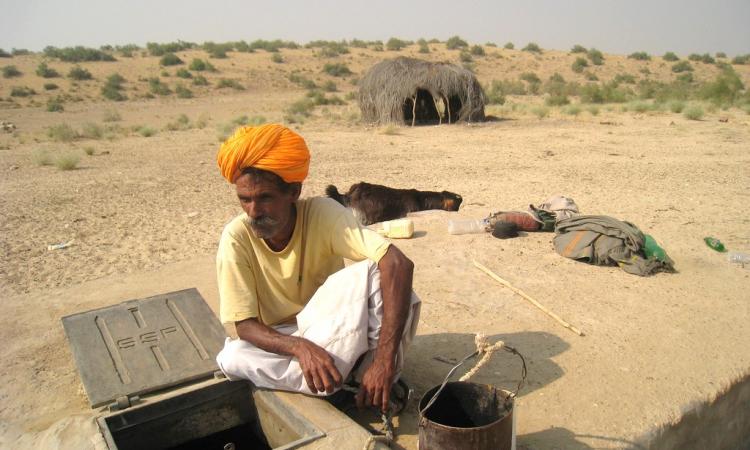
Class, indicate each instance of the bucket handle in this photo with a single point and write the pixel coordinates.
(466, 358)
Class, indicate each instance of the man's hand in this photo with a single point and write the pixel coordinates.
(375, 389)
(317, 366)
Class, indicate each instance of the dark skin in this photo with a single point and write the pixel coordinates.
(274, 214)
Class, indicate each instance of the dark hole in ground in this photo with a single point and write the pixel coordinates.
(244, 437)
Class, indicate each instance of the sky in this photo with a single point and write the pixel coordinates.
(620, 26)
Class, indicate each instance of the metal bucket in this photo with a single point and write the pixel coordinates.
(466, 416)
(462, 415)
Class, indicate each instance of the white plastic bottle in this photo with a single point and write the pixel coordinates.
(467, 226)
(742, 259)
(397, 229)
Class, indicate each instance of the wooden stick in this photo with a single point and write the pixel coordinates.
(414, 110)
(533, 302)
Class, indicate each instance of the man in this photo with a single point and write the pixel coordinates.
(303, 320)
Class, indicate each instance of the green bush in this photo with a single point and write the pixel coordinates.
(146, 131)
(686, 77)
(20, 52)
(79, 73)
(277, 58)
(495, 93)
(557, 100)
(590, 76)
(50, 86)
(423, 47)
(670, 56)
(200, 80)
(532, 47)
(183, 73)
(640, 56)
(112, 88)
(4, 54)
(21, 91)
(724, 89)
(579, 64)
(218, 51)
(91, 130)
(67, 161)
(477, 50)
(721, 55)
(55, 104)
(395, 44)
(41, 157)
(182, 91)
(337, 70)
(88, 150)
(682, 66)
(229, 83)
(530, 77)
(11, 71)
(156, 87)
(329, 86)
(593, 110)
(595, 56)
(465, 57)
(318, 98)
(509, 46)
(557, 78)
(111, 116)
(170, 59)
(62, 133)
(578, 49)
(704, 58)
(161, 49)
(540, 111)
(77, 54)
(44, 71)
(455, 42)
(676, 106)
(198, 65)
(301, 107)
(127, 50)
(624, 78)
(300, 80)
(741, 59)
(572, 110)
(693, 112)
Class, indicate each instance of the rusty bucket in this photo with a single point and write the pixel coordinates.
(463, 415)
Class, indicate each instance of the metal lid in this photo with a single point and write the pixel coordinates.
(144, 345)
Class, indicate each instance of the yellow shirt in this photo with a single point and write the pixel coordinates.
(255, 281)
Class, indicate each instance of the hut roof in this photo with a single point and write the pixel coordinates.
(392, 83)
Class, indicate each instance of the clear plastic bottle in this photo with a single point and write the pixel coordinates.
(467, 226)
(742, 259)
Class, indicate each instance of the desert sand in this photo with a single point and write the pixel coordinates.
(144, 215)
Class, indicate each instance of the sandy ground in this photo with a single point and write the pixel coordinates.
(145, 215)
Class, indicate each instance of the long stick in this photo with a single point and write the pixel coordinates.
(533, 302)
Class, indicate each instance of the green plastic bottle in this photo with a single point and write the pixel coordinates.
(651, 248)
(715, 244)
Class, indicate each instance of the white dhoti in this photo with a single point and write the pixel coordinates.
(343, 317)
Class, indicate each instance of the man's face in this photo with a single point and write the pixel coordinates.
(269, 209)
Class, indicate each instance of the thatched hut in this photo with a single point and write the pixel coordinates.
(411, 91)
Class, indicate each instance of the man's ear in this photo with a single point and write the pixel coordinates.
(296, 191)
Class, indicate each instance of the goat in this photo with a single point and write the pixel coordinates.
(375, 203)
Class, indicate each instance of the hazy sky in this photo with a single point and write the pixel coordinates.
(620, 26)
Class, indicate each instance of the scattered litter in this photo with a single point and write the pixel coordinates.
(397, 229)
(715, 244)
(7, 126)
(505, 230)
(742, 259)
(60, 245)
(13, 167)
(192, 214)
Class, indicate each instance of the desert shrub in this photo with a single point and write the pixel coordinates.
(183, 73)
(89, 150)
(111, 116)
(329, 86)
(721, 55)
(509, 46)
(530, 77)
(300, 80)
(77, 54)
(112, 88)
(182, 122)
(455, 42)
(465, 57)
(337, 69)
(91, 130)
(676, 106)
(624, 78)
(198, 65)
(578, 49)
(127, 50)
(218, 51)
(79, 73)
(229, 83)
(67, 161)
(591, 76)
(302, 107)
(164, 73)
(277, 58)
(423, 47)
(146, 131)
(640, 56)
(593, 110)
(682, 66)
(21, 91)
(724, 89)
(182, 91)
(557, 100)
(693, 112)
(556, 77)
(50, 86)
(686, 77)
(511, 87)
(532, 47)
(156, 87)
(395, 44)
(670, 56)
(495, 93)
(741, 59)
(572, 110)
(705, 58)
(20, 52)
(41, 157)
(595, 56)
(607, 93)
(62, 133)
(640, 106)
(4, 54)
(156, 49)
(11, 72)
(540, 111)
(44, 71)
(200, 80)
(272, 46)
(170, 59)
(55, 104)
(579, 64)
(477, 50)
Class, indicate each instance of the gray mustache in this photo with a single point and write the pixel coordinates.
(262, 222)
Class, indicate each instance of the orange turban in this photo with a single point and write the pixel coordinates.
(270, 147)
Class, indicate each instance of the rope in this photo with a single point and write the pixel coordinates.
(485, 349)
(387, 439)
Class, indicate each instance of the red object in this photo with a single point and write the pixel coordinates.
(524, 221)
